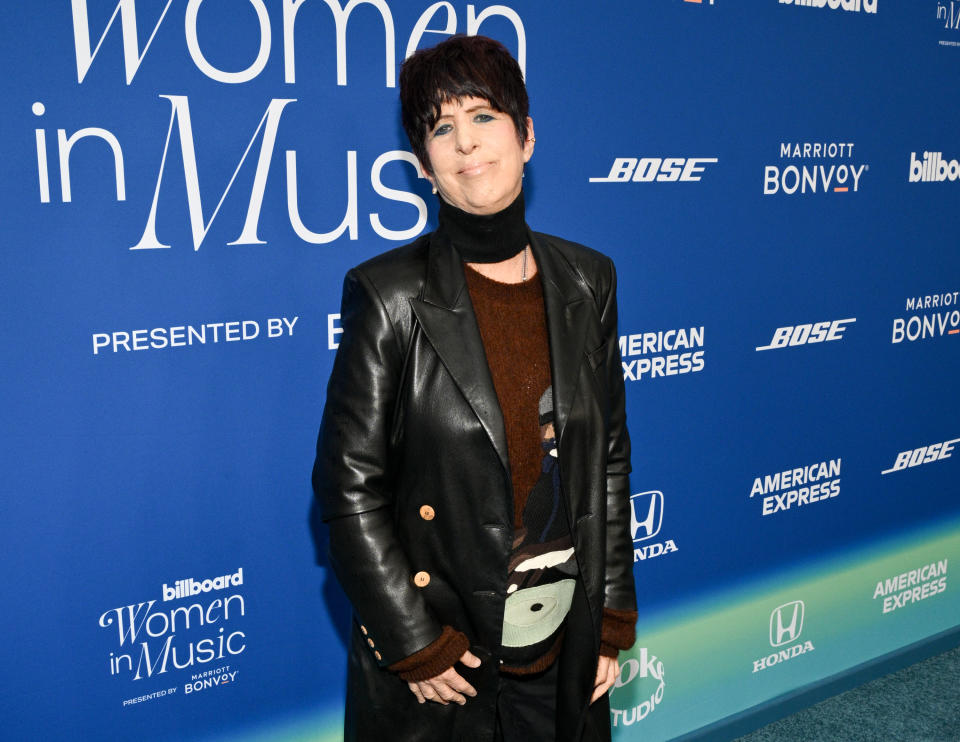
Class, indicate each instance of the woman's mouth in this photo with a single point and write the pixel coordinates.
(473, 169)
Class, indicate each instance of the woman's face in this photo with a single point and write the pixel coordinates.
(476, 157)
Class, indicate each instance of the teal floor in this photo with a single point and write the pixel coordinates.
(920, 703)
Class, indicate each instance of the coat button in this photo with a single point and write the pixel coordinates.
(378, 656)
(363, 629)
(421, 579)
(426, 512)
(370, 642)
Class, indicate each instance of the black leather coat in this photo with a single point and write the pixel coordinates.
(412, 420)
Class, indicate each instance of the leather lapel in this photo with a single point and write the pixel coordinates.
(568, 321)
(447, 318)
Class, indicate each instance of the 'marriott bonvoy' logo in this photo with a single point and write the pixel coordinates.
(857, 6)
(814, 167)
(933, 167)
(928, 316)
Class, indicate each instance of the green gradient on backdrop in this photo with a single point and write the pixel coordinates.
(708, 647)
(318, 726)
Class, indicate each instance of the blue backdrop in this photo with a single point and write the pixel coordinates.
(186, 183)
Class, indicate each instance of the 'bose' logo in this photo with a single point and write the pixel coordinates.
(647, 169)
(646, 515)
(803, 334)
(922, 455)
(786, 623)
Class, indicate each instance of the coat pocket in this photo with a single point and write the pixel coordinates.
(597, 357)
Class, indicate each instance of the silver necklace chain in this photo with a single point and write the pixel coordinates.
(523, 274)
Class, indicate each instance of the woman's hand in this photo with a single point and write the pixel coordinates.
(607, 671)
(447, 686)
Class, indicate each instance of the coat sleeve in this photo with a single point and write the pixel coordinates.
(619, 593)
(352, 479)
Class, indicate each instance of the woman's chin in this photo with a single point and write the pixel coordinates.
(486, 201)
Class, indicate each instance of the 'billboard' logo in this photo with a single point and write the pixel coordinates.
(786, 623)
(933, 167)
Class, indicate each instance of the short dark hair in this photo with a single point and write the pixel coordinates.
(460, 67)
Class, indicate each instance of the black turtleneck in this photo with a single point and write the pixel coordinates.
(484, 238)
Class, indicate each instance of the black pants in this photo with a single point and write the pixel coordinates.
(527, 707)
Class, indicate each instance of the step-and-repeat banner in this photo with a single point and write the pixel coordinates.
(185, 183)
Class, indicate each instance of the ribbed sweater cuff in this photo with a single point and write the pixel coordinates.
(618, 631)
(607, 651)
(433, 659)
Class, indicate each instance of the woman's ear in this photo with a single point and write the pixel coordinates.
(428, 175)
(528, 143)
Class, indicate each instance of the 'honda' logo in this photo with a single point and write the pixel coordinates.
(786, 623)
(646, 514)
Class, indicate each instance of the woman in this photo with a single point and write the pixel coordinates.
(473, 456)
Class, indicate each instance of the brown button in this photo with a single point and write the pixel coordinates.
(426, 512)
(378, 656)
(421, 579)
(363, 629)
(370, 642)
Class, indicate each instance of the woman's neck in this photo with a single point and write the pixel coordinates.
(486, 238)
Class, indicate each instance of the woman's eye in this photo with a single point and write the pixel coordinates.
(483, 117)
(441, 130)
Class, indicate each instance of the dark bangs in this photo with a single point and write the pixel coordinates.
(460, 67)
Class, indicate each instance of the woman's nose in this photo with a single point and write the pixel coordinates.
(466, 141)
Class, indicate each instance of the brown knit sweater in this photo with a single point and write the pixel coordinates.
(512, 323)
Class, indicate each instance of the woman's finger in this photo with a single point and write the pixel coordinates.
(459, 683)
(446, 692)
(448, 686)
(430, 693)
(613, 669)
(597, 692)
(600, 690)
(470, 659)
(607, 669)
